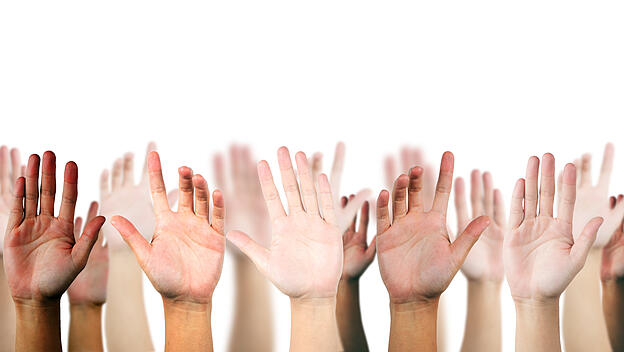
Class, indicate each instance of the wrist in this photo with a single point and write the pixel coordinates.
(485, 285)
(186, 306)
(85, 308)
(534, 306)
(420, 305)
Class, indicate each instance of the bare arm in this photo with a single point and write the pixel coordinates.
(537, 326)
(7, 314)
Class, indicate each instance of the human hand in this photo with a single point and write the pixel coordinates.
(592, 201)
(613, 253)
(357, 254)
(8, 175)
(541, 256)
(121, 196)
(41, 255)
(485, 260)
(305, 256)
(184, 242)
(89, 287)
(416, 258)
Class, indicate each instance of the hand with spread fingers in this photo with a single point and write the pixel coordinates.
(41, 255)
(185, 257)
(540, 254)
(305, 258)
(417, 261)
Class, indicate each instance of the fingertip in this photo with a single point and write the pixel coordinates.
(217, 198)
(415, 172)
(153, 161)
(382, 199)
(71, 172)
(199, 181)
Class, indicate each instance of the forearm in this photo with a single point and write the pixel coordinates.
(583, 323)
(126, 319)
(413, 326)
(38, 326)
(613, 305)
(253, 316)
(313, 325)
(7, 313)
(187, 326)
(537, 326)
(349, 318)
(85, 328)
(483, 317)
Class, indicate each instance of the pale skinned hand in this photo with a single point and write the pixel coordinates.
(417, 261)
(593, 200)
(358, 255)
(120, 195)
(485, 260)
(41, 255)
(185, 258)
(305, 256)
(9, 172)
(89, 287)
(540, 254)
(344, 215)
(612, 268)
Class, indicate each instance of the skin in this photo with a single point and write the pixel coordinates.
(10, 170)
(87, 294)
(584, 327)
(483, 267)
(541, 256)
(305, 257)
(252, 327)
(189, 241)
(358, 255)
(612, 277)
(41, 255)
(126, 322)
(417, 260)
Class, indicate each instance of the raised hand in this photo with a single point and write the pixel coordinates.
(184, 242)
(612, 275)
(9, 172)
(305, 256)
(41, 255)
(612, 268)
(416, 258)
(89, 287)
(485, 260)
(358, 255)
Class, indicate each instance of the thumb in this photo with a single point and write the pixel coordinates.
(133, 238)
(84, 244)
(258, 254)
(464, 242)
(584, 242)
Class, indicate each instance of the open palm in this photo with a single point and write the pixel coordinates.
(305, 256)
(358, 255)
(613, 253)
(185, 258)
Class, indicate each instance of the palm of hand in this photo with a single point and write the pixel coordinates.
(134, 203)
(306, 256)
(416, 243)
(613, 257)
(485, 259)
(591, 202)
(355, 258)
(90, 285)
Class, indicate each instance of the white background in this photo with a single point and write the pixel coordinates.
(492, 81)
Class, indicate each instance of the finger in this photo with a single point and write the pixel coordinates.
(607, 166)
(218, 166)
(77, 227)
(104, 185)
(5, 180)
(352, 207)
(271, 196)
(558, 189)
(476, 195)
(308, 191)
(133, 238)
(48, 183)
(185, 187)
(516, 211)
(202, 202)
(151, 147)
(488, 195)
(499, 209)
(428, 185)
(530, 192)
(117, 174)
(84, 244)
(218, 212)
(383, 215)
(364, 218)
(369, 254)
(461, 208)
(236, 168)
(390, 170)
(464, 242)
(445, 183)
(91, 214)
(157, 184)
(16, 165)
(317, 165)
(289, 181)
(128, 169)
(586, 176)
(32, 185)
(257, 253)
(415, 197)
(547, 185)
(337, 169)
(584, 242)
(354, 219)
(326, 201)
(568, 194)
(399, 206)
(17, 208)
(70, 193)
